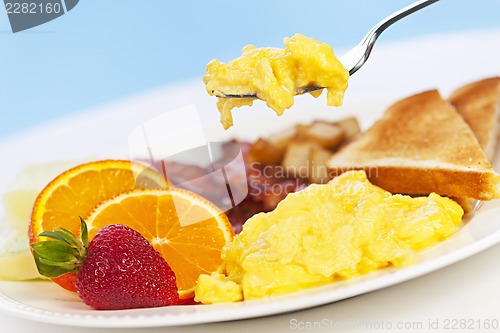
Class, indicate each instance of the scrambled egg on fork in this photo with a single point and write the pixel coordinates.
(275, 74)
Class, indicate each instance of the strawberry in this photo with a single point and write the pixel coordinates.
(118, 269)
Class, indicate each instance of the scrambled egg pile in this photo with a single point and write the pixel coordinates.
(328, 232)
(275, 74)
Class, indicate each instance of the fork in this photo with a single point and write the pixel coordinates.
(357, 56)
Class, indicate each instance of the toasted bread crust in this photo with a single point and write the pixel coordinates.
(421, 145)
(423, 181)
(479, 104)
(422, 127)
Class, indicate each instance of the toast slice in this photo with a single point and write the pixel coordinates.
(479, 104)
(421, 145)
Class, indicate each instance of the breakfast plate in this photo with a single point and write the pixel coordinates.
(439, 61)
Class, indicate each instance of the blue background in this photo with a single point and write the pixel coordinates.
(103, 50)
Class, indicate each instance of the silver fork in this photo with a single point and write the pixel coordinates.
(357, 56)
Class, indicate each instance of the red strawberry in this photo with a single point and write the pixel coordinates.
(119, 269)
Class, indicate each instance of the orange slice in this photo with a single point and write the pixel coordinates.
(188, 230)
(77, 191)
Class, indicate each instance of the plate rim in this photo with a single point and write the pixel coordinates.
(258, 307)
(275, 305)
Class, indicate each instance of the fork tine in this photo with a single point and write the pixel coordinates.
(220, 94)
(355, 58)
(300, 91)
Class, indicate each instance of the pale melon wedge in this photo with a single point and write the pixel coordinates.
(16, 261)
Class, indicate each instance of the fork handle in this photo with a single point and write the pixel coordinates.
(372, 35)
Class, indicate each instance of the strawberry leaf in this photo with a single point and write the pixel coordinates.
(63, 252)
(84, 232)
(59, 234)
(70, 265)
(66, 236)
(49, 270)
(55, 251)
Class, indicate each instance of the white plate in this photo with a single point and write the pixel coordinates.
(394, 71)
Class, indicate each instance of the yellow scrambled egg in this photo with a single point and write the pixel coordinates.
(275, 74)
(325, 233)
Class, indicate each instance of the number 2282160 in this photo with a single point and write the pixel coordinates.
(32, 8)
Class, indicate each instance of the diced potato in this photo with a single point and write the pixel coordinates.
(318, 172)
(282, 138)
(350, 126)
(300, 132)
(262, 151)
(324, 134)
(296, 159)
(291, 147)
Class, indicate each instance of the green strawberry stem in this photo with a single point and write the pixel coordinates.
(62, 253)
